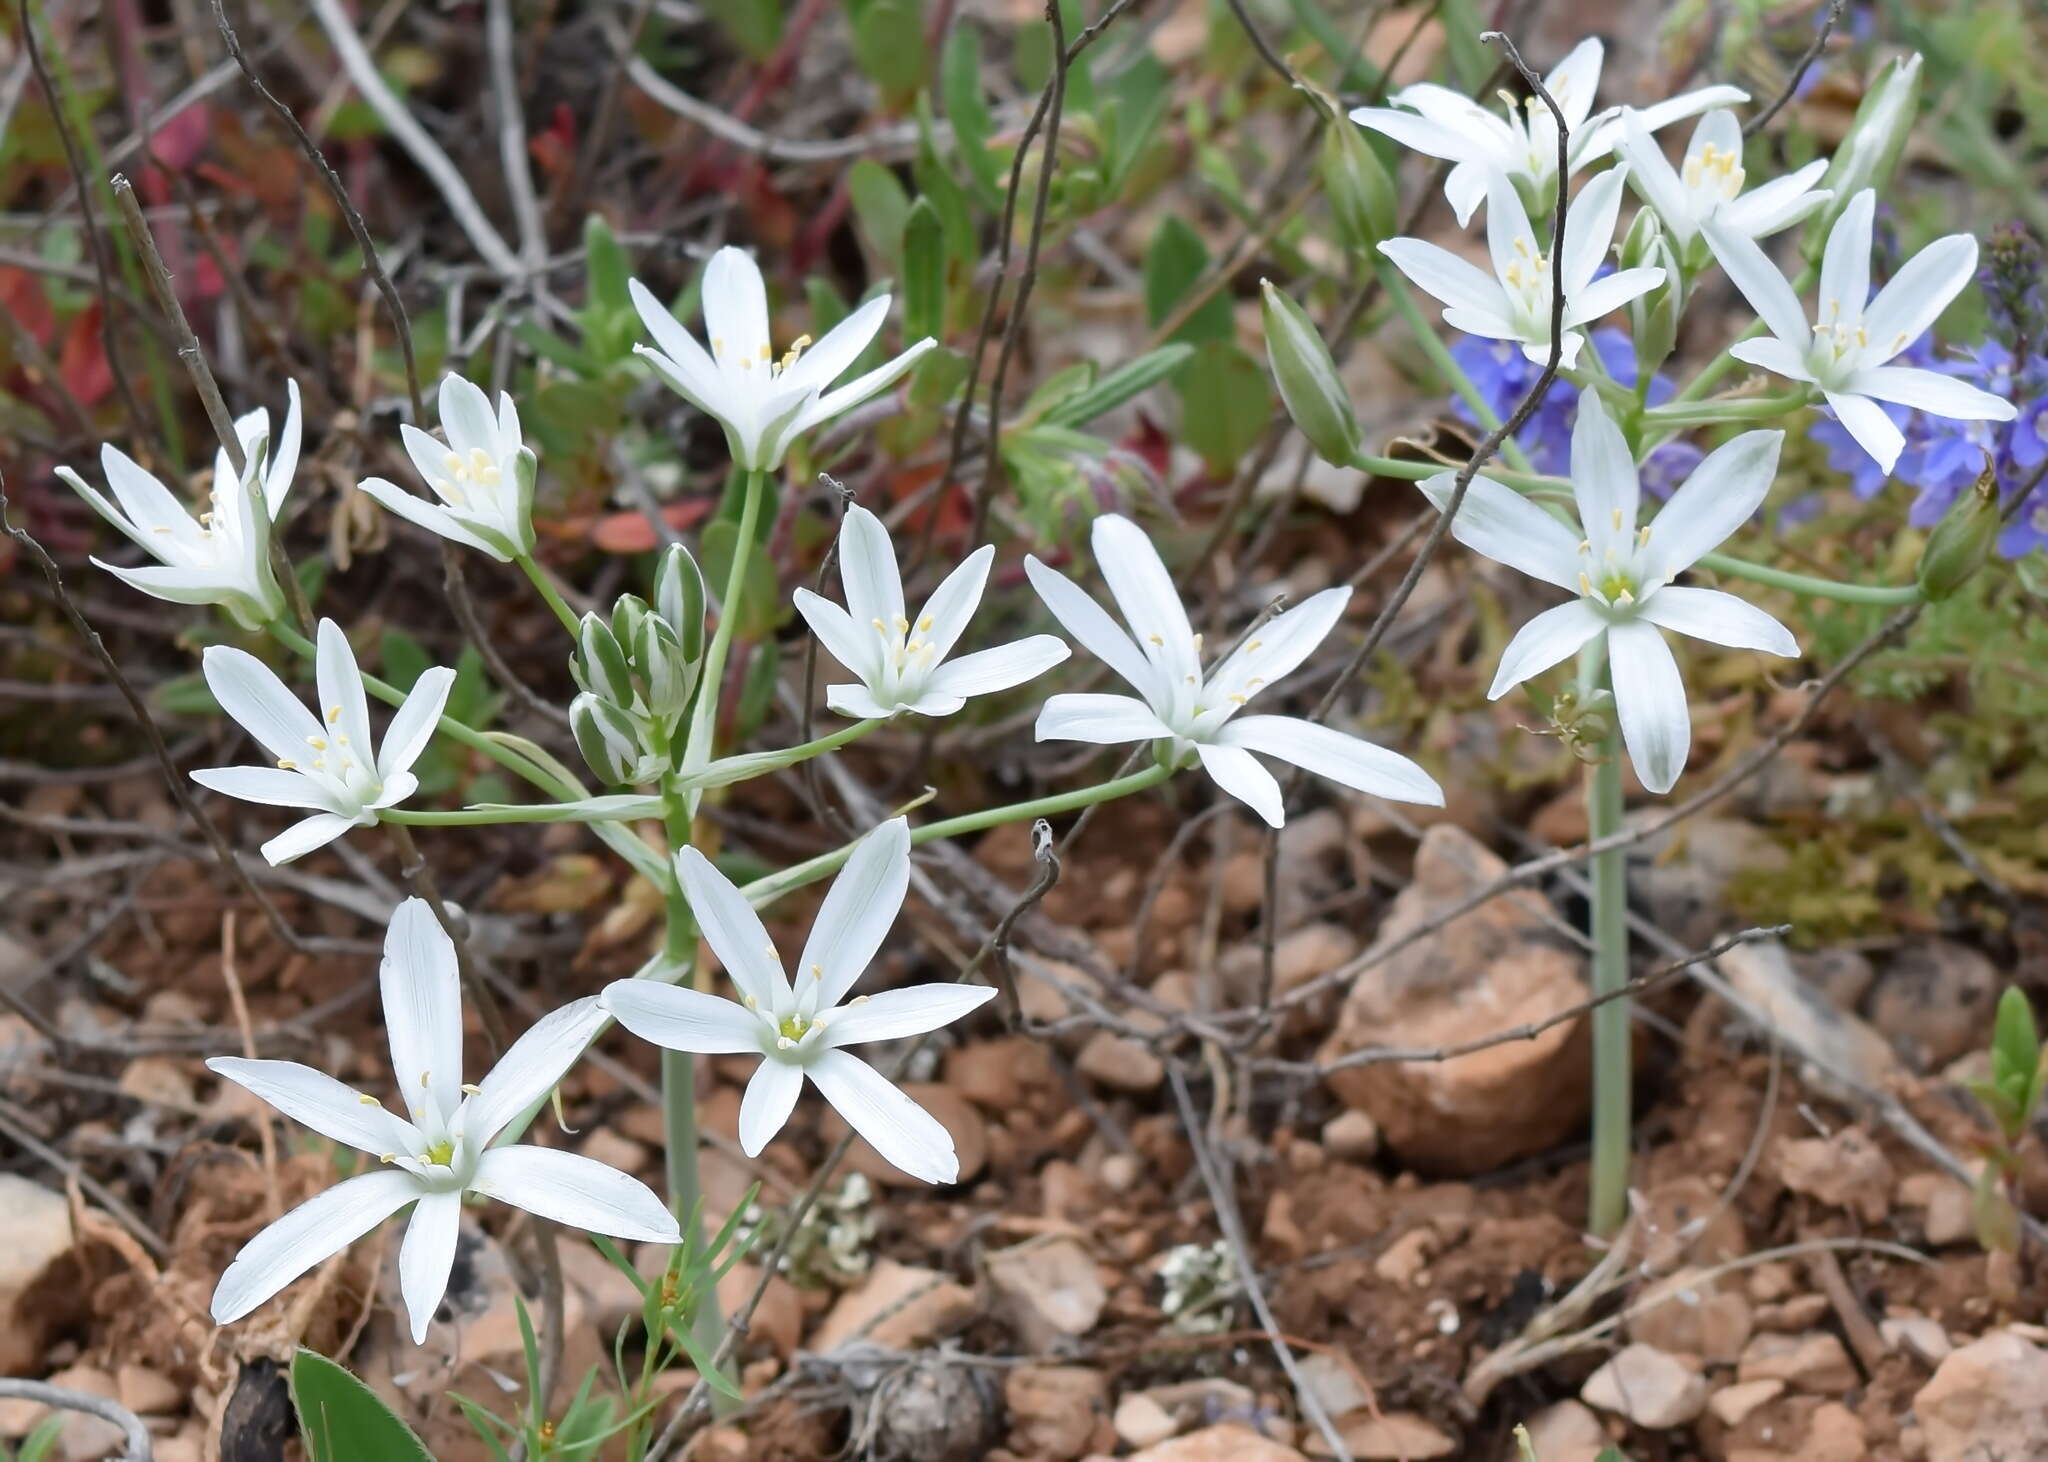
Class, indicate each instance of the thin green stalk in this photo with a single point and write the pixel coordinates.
(549, 592)
(1808, 585)
(704, 717)
(642, 807)
(766, 890)
(1612, 1077)
(1396, 288)
(1417, 471)
(1720, 365)
(1708, 413)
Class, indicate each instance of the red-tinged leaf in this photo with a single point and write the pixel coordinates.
(21, 295)
(628, 532)
(1150, 445)
(179, 138)
(82, 363)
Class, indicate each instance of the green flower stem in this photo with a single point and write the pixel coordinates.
(1417, 471)
(745, 767)
(1612, 1077)
(1723, 363)
(766, 890)
(535, 812)
(1708, 413)
(549, 592)
(1396, 289)
(704, 717)
(1808, 585)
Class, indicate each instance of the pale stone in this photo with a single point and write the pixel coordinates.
(1846, 1170)
(1731, 1404)
(1352, 1136)
(1048, 1288)
(1141, 1421)
(1648, 1387)
(896, 1306)
(1815, 1361)
(1987, 1399)
(1227, 1443)
(1120, 1063)
(1565, 1431)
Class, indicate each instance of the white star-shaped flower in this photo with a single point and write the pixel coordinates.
(327, 762)
(1450, 125)
(902, 663)
(1707, 183)
(483, 475)
(763, 404)
(223, 556)
(1196, 713)
(1846, 352)
(1622, 575)
(444, 1151)
(802, 1029)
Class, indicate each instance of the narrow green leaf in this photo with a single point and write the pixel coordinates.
(1226, 401)
(754, 25)
(1174, 261)
(605, 265)
(1128, 380)
(888, 44)
(924, 272)
(343, 1420)
(880, 209)
(967, 109)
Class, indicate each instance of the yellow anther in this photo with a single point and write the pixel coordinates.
(817, 972)
(318, 743)
(1255, 682)
(1237, 700)
(1157, 641)
(470, 1088)
(319, 763)
(902, 625)
(765, 353)
(286, 764)
(877, 623)
(924, 625)
(1624, 599)
(368, 1101)
(858, 1000)
(1617, 520)
(750, 1002)
(333, 714)
(161, 529)
(1585, 585)
(426, 1078)
(1643, 536)
(1585, 545)
(1253, 646)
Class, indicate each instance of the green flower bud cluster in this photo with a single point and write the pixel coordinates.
(637, 674)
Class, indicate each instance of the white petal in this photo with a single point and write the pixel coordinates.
(1105, 720)
(952, 605)
(904, 1133)
(250, 691)
(1144, 591)
(912, 1011)
(828, 360)
(284, 453)
(1349, 761)
(317, 1229)
(1604, 479)
(867, 567)
(858, 703)
(1487, 324)
(1723, 491)
(153, 544)
(177, 585)
(860, 388)
(426, 1256)
(1465, 190)
(1589, 230)
(510, 439)
(305, 837)
(147, 502)
(1550, 638)
(430, 516)
(1511, 241)
(577, 1191)
(342, 708)
(1845, 264)
(1721, 619)
(987, 671)
(422, 994)
(1444, 276)
(733, 930)
(415, 722)
(1651, 175)
(770, 1097)
(316, 1100)
(1089, 623)
(1778, 204)
(736, 309)
(709, 393)
(1277, 649)
(1573, 82)
(1768, 352)
(683, 1019)
(1505, 526)
(1868, 423)
(688, 358)
(933, 704)
(272, 786)
(1649, 696)
(854, 646)
(397, 787)
(1913, 299)
(1761, 284)
(531, 1067)
(1933, 392)
(1599, 138)
(1424, 135)
(466, 417)
(1238, 772)
(1608, 294)
(858, 912)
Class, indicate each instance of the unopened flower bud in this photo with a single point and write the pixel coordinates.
(606, 737)
(665, 675)
(1653, 316)
(1355, 182)
(1870, 151)
(1961, 541)
(599, 664)
(1307, 377)
(679, 598)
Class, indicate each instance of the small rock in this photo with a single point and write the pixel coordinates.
(1141, 1421)
(1648, 1387)
(1202, 1402)
(146, 1392)
(1048, 1288)
(1694, 1314)
(1120, 1063)
(934, 1411)
(161, 1080)
(1813, 1362)
(614, 1149)
(1390, 1436)
(896, 1306)
(1933, 1001)
(1793, 1316)
(1407, 1256)
(1055, 1410)
(1731, 1404)
(1565, 1431)
(1950, 1215)
(1761, 974)
(609, 1297)
(1333, 1382)
(1352, 1136)
(1916, 1335)
(1683, 1219)
(1309, 953)
(1834, 1433)
(1844, 976)
(35, 1231)
(1846, 1170)
(1987, 1399)
(1683, 874)
(1227, 1443)
(1496, 966)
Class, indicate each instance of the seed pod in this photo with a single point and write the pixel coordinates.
(1961, 541)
